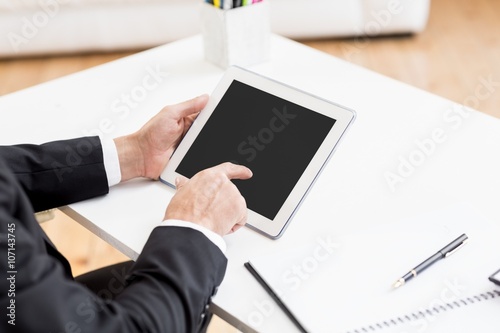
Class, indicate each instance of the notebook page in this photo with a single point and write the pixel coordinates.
(343, 282)
(480, 316)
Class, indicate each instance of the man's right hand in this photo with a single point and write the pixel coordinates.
(210, 199)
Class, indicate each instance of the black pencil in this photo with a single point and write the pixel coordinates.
(275, 297)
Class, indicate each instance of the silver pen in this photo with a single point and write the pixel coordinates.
(441, 254)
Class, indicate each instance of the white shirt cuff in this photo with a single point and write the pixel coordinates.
(212, 236)
(111, 161)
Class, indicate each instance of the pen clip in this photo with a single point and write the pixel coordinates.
(456, 249)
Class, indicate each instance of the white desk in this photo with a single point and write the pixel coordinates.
(351, 194)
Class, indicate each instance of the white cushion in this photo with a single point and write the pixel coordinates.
(55, 26)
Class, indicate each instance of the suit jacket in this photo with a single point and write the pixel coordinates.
(169, 286)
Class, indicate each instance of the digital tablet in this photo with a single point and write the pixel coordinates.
(284, 135)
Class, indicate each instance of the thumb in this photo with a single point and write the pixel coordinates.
(180, 181)
(190, 107)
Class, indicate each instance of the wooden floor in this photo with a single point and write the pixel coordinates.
(458, 51)
(460, 47)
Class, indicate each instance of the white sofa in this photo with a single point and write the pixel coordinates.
(29, 27)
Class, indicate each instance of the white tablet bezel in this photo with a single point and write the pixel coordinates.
(343, 116)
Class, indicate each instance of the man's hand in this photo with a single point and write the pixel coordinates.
(211, 200)
(146, 152)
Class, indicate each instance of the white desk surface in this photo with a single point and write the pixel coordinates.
(351, 194)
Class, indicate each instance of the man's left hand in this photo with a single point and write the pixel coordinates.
(146, 152)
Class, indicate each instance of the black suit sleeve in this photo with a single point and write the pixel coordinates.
(58, 173)
(167, 290)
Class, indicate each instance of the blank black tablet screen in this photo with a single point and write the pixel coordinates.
(273, 137)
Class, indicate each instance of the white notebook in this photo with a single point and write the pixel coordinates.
(345, 284)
